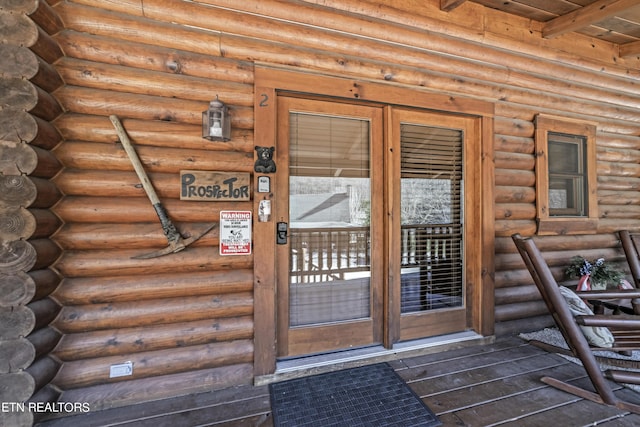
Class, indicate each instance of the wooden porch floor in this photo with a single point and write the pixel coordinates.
(485, 385)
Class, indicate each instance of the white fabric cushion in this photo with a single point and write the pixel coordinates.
(598, 336)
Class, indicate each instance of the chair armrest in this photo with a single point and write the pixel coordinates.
(610, 321)
(610, 294)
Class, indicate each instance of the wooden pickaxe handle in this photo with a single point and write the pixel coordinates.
(170, 231)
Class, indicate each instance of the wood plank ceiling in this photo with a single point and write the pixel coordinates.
(615, 21)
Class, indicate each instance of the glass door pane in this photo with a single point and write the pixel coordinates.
(431, 218)
(329, 215)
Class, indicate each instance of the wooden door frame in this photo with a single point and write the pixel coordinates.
(268, 82)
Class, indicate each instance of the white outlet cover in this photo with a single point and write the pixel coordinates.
(121, 370)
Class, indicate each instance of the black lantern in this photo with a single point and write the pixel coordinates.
(216, 124)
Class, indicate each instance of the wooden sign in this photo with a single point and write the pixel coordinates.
(214, 186)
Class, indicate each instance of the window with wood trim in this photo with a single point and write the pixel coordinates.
(566, 180)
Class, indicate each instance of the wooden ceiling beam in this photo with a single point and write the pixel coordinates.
(449, 5)
(585, 16)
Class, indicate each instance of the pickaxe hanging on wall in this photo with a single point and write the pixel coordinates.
(175, 239)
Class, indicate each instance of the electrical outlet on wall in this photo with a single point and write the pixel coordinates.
(121, 370)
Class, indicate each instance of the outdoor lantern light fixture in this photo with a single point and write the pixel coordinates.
(216, 124)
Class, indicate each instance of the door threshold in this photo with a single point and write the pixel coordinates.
(317, 364)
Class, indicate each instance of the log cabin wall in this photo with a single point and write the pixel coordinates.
(27, 164)
(185, 321)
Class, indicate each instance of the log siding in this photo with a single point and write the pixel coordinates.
(27, 193)
(187, 320)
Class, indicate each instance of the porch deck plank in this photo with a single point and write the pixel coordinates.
(497, 384)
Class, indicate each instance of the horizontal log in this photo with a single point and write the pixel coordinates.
(16, 289)
(513, 127)
(107, 396)
(47, 164)
(518, 161)
(46, 394)
(18, 93)
(47, 194)
(129, 236)
(17, 158)
(43, 371)
(469, 29)
(145, 56)
(608, 197)
(18, 61)
(126, 341)
(153, 312)
(46, 47)
(46, 18)
(513, 194)
(624, 155)
(85, 155)
(163, 362)
(618, 183)
(606, 225)
(619, 211)
(20, 126)
(508, 227)
(510, 278)
(46, 108)
(135, 210)
(618, 169)
(47, 77)
(139, 81)
(514, 144)
(47, 136)
(506, 177)
(17, 29)
(15, 322)
(96, 290)
(521, 310)
(16, 256)
(26, 7)
(519, 211)
(46, 223)
(15, 355)
(527, 324)
(47, 253)
(17, 190)
(101, 22)
(16, 387)
(21, 94)
(16, 223)
(79, 127)
(516, 294)
(345, 44)
(121, 263)
(46, 282)
(256, 26)
(629, 142)
(44, 311)
(145, 107)
(44, 340)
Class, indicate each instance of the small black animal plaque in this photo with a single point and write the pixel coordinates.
(265, 163)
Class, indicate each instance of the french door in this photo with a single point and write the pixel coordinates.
(373, 201)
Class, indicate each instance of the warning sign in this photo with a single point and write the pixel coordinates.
(235, 232)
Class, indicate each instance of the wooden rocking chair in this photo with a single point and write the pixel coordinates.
(625, 329)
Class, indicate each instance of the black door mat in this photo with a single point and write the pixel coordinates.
(373, 395)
